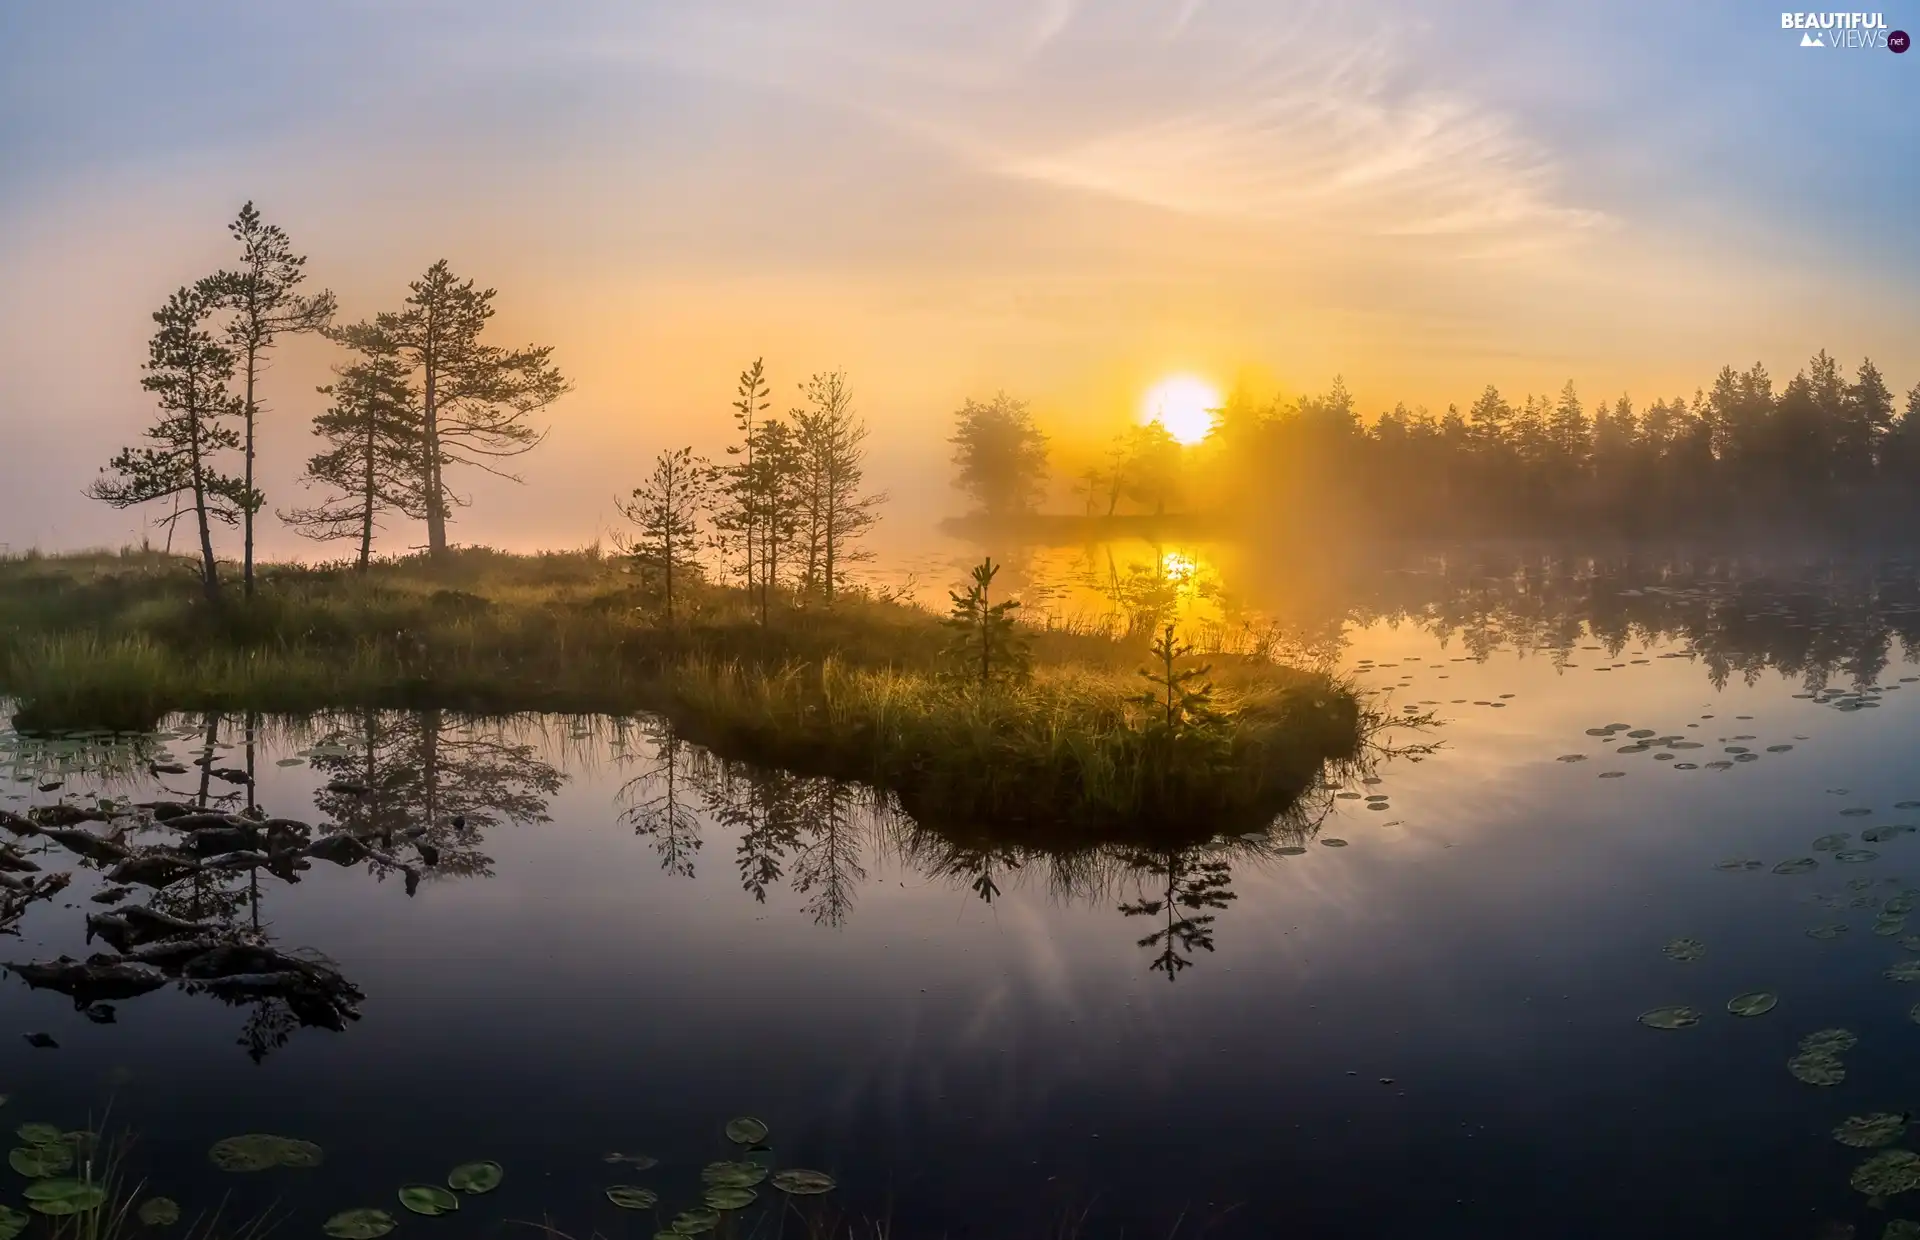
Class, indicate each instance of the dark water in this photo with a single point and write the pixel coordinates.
(1429, 1031)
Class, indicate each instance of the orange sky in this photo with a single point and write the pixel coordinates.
(1067, 201)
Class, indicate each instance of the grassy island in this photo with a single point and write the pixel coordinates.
(1088, 730)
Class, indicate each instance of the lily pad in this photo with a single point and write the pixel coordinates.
(428, 1199)
(12, 1222)
(1676, 1017)
(39, 1161)
(1829, 1042)
(1833, 841)
(798, 1182)
(1332, 842)
(1817, 1068)
(1856, 856)
(731, 1198)
(1798, 865)
(64, 1197)
(1867, 1131)
(1753, 1003)
(1734, 865)
(1832, 930)
(633, 1197)
(1887, 927)
(1887, 1173)
(367, 1224)
(37, 1134)
(746, 1130)
(1905, 971)
(639, 1162)
(159, 1212)
(476, 1177)
(258, 1151)
(694, 1222)
(1901, 1229)
(732, 1174)
(1684, 950)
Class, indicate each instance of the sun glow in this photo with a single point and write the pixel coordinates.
(1184, 404)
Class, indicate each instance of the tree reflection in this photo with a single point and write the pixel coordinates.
(1186, 884)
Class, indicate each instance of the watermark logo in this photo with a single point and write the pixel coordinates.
(1845, 30)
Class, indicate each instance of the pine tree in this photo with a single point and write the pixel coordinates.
(987, 642)
(738, 522)
(1175, 704)
(476, 399)
(188, 373)
(667, 509)
(265, 306)
(374, 464)
(830, 446)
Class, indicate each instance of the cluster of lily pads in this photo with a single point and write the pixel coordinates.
(729, 1185)
(47, 1156)
(1673, 748)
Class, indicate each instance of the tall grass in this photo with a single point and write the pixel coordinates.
(859, 691)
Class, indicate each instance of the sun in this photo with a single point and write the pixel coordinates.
(1184, 404)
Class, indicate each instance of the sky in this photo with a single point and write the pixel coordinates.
(1064, 199)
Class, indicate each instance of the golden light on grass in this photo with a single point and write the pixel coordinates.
(1184, 404)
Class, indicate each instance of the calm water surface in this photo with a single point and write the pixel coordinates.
(1431, 1030)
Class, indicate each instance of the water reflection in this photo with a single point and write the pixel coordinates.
(412, 781)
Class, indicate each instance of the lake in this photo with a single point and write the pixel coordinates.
(1413, 1007)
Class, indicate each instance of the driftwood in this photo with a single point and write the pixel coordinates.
(64, 815)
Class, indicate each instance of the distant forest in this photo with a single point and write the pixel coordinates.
(1825, 451)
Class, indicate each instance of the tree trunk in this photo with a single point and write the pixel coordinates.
(246, 513)
(366, 513)
(436, 511)
(209, 572)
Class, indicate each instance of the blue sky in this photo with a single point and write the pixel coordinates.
(1061, 197)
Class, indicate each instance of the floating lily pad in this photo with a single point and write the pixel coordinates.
(798, 1182)
(1829, 1042)
(1887, 1173)
(1901, 1229)
(1887, 927)
(633, 1197)
(1905, 971)
(1753, 1003)
(38, 1134)
(12, 1222)
(1898, 906)
(1856, 811)
(365, 1224)
(1831, 841)
(428, 1199)
(1798, 865)
(694, 1222)
(159, 1212)
(1867, 1131)
(64, 1197)
(257, 1151)
(1833, 930)
(732, 1174)
(1859, 884)
(1332, 842)
(1613, 775)
(1733, 865)
(1290, 850)
(639, 1162)
(746, 1130)
(39, 1161)
(731, 1198)
(1684, 950)
(1817, 1068)
(1855, 856)
(476, 1177)
(1571, 757)
(1641, 733)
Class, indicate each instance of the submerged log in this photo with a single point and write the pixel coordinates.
(87, 983)
(154, 868)
(340, 849)
(64, 815)
(240, 859)
(210, 840)
(165, 811)
(87, 844)
(18, 825)
(13, 859)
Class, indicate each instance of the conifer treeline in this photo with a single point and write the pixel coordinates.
(1822, 448)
